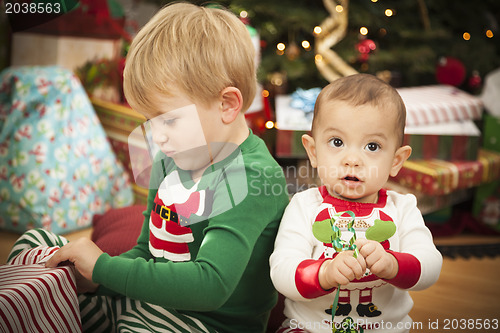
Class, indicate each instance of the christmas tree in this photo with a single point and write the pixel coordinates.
(405, 41)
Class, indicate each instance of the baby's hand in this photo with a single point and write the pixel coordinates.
(341, 270)
(378, 260)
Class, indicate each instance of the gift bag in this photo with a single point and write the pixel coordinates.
(57, 168)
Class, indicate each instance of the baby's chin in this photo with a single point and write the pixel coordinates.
(361, 198)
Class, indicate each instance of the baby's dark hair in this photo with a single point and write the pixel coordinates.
(361, 89)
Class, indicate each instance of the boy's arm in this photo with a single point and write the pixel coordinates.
(206, 282)
(141, 249)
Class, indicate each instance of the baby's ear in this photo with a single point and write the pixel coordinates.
(310, 146)
(401, 155)
(231, 104)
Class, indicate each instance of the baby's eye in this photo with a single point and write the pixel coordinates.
(336, 142)
(372, 146)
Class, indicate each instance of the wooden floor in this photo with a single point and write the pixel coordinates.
(467, 289)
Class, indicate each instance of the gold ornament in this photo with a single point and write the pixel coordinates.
(333, 30)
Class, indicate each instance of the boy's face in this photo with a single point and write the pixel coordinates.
(183, 131)
(355, 149)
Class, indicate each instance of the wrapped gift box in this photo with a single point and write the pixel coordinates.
(486, 206)
(289, 144)
(428, 204)
(291, 124)
(75, 36)
(491, 132)
(451, 141)
(439, 104)
(38, 299)
(443, 147)
(438, 177)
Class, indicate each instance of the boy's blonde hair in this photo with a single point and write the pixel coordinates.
(361, 89)
(197, 50)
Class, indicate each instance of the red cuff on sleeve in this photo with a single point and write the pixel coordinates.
(409, 270)
(307, 281)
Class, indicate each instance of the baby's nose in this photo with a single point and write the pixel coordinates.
(351, 159)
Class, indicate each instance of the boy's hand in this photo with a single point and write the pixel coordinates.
(83, 253)
(341, 270)
(83, 285)
(378, 260)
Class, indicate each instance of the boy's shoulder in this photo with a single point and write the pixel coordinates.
(257, 157)
(255, 145)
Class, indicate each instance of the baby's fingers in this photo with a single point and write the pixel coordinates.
(362, 263)
(357, 267)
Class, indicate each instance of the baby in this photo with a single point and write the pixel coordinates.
(356, 144)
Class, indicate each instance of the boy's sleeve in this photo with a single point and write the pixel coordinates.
(206, 282)
(418, 259)
(141, 249)
(293, 272)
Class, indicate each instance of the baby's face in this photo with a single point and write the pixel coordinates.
(355, 149)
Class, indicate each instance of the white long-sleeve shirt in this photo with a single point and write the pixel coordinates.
(298, 255)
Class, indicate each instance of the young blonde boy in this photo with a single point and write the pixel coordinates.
(356, 144)
(201, 260)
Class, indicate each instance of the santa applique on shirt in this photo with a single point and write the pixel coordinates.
(369, 220)
(171, 216)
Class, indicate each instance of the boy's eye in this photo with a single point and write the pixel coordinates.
(169, 122)
(336, 142)
(372, 146)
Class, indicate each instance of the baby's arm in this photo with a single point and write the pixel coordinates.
(418, 258)
(417, 263)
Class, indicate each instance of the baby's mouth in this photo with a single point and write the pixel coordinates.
(351, 178)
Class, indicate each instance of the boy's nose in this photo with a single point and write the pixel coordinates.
(159, 137)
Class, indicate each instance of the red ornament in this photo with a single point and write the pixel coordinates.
(450, 71)
(474, 81)
(365, 47)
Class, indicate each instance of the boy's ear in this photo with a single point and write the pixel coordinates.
(231, 104)
(401, 155)
(310, 146)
